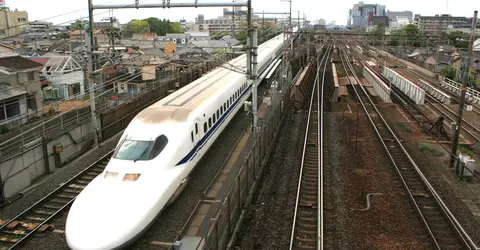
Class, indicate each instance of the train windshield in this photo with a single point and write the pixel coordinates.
(140, 150)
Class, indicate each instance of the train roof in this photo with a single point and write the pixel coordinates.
(178, 106)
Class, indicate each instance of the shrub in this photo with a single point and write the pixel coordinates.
(430, 149)
(466, 151)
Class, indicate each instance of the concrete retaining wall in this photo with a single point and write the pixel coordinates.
(20, 171)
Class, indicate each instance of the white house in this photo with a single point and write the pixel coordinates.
(65, 77)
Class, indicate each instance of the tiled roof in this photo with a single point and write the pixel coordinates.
(42, 60)
(15, 63)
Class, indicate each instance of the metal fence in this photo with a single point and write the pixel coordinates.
(234, 196)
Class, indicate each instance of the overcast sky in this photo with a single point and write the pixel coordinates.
(331, 10)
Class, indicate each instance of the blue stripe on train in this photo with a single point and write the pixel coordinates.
(206, 137)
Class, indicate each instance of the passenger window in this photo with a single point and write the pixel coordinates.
(225, 107)
(205, 127)
(210, 122)
(191, 135)
(214, 118)
(133, 150)
(221, 110)
(196, 128)
(218, 114)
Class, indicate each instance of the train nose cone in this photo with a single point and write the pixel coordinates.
(100, 227)
(105, 218)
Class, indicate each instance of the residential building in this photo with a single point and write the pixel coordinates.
(20, 94)
(64, 76)
(380, 20)
(362, 14)
(40, 26)
(397, 24)
(435, 25)
(80, 34)
(320, 22)
(103, 24)
(238, 11)
(200, 25)
(220, 24)
(476, 46)
(466, 27)
(144, 37)
(394, 14)
(6, 50)
(198, 36)
(12, 23)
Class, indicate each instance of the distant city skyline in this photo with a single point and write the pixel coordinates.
(336, 11)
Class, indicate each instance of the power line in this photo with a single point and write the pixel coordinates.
(48, 18)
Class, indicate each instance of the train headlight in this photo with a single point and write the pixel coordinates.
(131, 177)
(110, 175)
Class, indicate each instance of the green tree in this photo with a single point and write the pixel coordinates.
(395, 38)
(78, 25)
(176, 27)
(410, 35)
(162, 27)
(136, 27)
(448, 72)
(458, 38)
(377, 34)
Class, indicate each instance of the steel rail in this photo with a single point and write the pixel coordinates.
(304, 152)
(464, 121)
(461, 233)
(31, 210)
(453, 94)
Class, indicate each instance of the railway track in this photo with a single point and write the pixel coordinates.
(476, 107)
(411, 108)
(443, 109)
(440, 225)
(35, 218)
(307, 229)
(413, 74)
(451, 115)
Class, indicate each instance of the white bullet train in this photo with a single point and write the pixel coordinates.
(155, 155)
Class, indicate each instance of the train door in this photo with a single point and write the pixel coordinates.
(198, 136)
(197, 131)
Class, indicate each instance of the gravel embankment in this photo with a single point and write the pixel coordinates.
(269, 223)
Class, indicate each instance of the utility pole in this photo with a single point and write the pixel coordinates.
(91, 77)
(466, 71)
(298, 20)
(233, 21)
(251, 65)
(112, 34)
(263, 22)
(290, 17)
